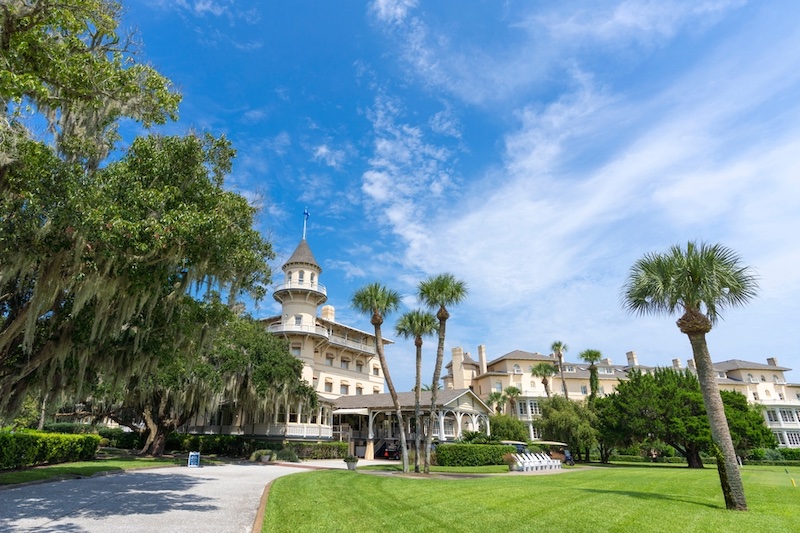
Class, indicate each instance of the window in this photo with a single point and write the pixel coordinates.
(345, 364)
(300, 276)
(359, 390)
(289, 277)
(763, 379)
(359, 367)
(583, 389)
(751, 379)
(721, 375)
(312, 278)
(344, 389)
(533, 406)
(376, 390)
(498, 387)
(569, 369)
(536, 434)
(772, 416)
(780, 395)
(328, 359)
(787, 415)
(298, 320)
(781, 440)
(517, 369)
(328, 386)
(522, 408)
(376, 371)
(296, 350)
(768, 393)
(755, 395)
(793, 437)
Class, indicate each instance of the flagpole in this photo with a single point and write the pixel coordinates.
(305, 220)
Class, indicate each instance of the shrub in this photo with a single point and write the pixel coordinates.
(472, 454)
(119, 438)
(319, 450)
(30, 448)
(790, 454)
(287, 454)
(257, 454)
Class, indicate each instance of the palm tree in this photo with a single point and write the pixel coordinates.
(495, 400)
(417, 324)
(558, 348)
(545, 371)
(377, 301)
(436, 293)
(510, 395)
(699, 282)
(592, 357)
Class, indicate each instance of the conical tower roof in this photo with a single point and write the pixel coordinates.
(302, 255)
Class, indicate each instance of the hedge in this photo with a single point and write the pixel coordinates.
(319, 450)
(231, 445)
(472, 454)
(31, 448)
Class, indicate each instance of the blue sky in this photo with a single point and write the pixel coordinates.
(533, 149)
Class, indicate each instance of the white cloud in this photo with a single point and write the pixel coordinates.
(392, 11)
(328, 156)
(350, 270)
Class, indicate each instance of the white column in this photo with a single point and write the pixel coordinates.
(442, 437)
(458, 425)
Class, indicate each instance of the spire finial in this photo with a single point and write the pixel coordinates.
(305, 221)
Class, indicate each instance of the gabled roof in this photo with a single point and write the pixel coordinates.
(302, 255)
(467, 361)
(738, 364)
(523, 356)
(406, 399)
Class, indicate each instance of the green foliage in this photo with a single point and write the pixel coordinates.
(479, 437)
(567, 421)
(790, 454)
(667, 405)
(30, 448)
(472, 454)
(319, 450)
(228, 445)
(258, 454)
(505, 427)
(287, 454)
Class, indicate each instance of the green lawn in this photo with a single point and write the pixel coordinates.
(108, 461)
(614, 498)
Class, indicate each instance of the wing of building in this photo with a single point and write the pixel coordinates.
(761, 383)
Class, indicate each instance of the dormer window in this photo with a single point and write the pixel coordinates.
(517, 369)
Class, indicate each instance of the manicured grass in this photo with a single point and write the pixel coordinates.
(491, 469)
(602, 499)
(109, 460)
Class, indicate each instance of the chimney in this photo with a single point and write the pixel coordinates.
(606, 361)
(691, 365)
(458, 368)
(676, 364)
(632, 360)
(772, 361)
(328, 313)
(482, 357)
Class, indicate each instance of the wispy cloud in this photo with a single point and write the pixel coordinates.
(328, 156)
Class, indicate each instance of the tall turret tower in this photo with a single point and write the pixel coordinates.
(300, 294)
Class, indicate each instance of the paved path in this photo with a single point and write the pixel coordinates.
(217, 499)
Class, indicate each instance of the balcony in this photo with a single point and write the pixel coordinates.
(353, 345)
(304, 329)
(300, 285)
(314, 431)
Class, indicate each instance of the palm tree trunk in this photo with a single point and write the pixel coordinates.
(393, 394)
(730, 477)
(417, 410)
(437, 370)
(561, 370)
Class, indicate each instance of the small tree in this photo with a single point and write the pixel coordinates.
(592, 357)
(545, 371)
(558, 348)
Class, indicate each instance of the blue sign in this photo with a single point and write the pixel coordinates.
(194, 459)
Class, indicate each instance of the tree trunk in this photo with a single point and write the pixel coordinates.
(417, 409)
(392, 391)
(442, 315)
(730, 477)
(693, 459)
